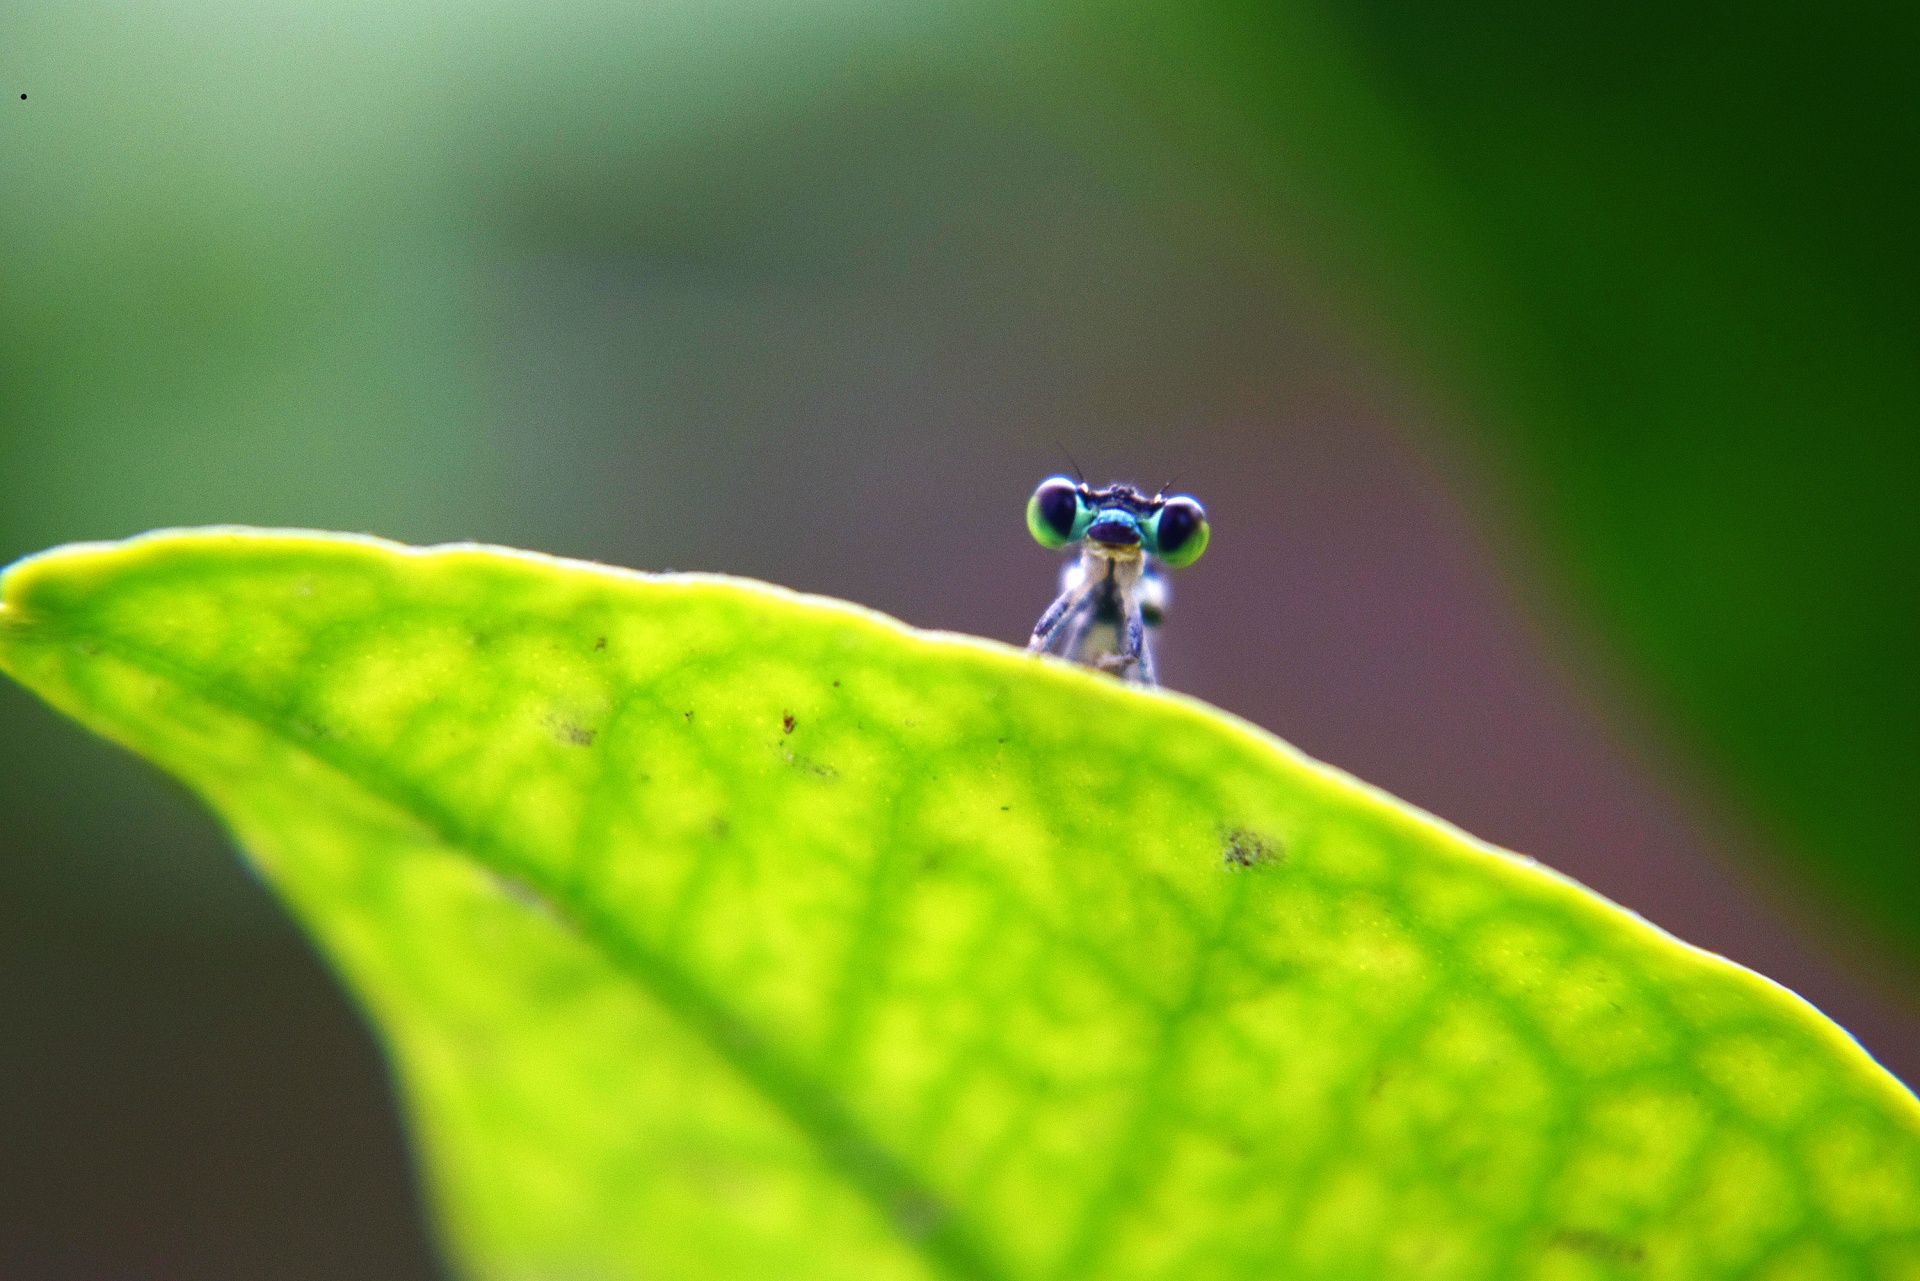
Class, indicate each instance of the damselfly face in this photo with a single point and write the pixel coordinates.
(1114, 590)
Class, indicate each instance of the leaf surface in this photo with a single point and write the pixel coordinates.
(717, 931)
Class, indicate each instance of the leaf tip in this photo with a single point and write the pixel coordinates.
(14, 615)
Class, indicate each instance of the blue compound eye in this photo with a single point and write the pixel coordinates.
(1057, 514)
(1179, 532)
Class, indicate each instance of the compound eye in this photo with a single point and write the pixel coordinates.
(1055, 514)
(1180, 532)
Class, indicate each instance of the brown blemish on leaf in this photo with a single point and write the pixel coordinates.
(571, 733)
(1242, 848)
(1598, 1245)
(812, 767)
(786, 723)
(600, 643)
(525, 895)
(917, 1215)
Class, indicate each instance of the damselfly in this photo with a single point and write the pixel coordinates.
(1114, 590)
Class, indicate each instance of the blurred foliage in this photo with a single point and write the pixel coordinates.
(1650, 258)
(1662, 254)
(718, 931)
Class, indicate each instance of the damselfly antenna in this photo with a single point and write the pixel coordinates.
(1077, 473)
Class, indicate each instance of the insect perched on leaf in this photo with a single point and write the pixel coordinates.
(1114, 590)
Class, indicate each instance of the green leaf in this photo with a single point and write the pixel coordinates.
(719, 931)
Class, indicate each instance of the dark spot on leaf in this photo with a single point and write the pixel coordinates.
(719, 826)
(689, 716)
(601, 643)
(574, 735)
(1003, 740)
(836, 684)
(786, 723)
(812, 767)
(917, 1215)
(1242, 848)
(1599, 1245)
(525, 895)
(1006, 807)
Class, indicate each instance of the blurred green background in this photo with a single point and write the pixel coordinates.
(1550, 373)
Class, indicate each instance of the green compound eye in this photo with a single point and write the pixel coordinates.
(1178, 532)
(1056, 514)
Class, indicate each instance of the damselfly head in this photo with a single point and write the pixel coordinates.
(1118, 521)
